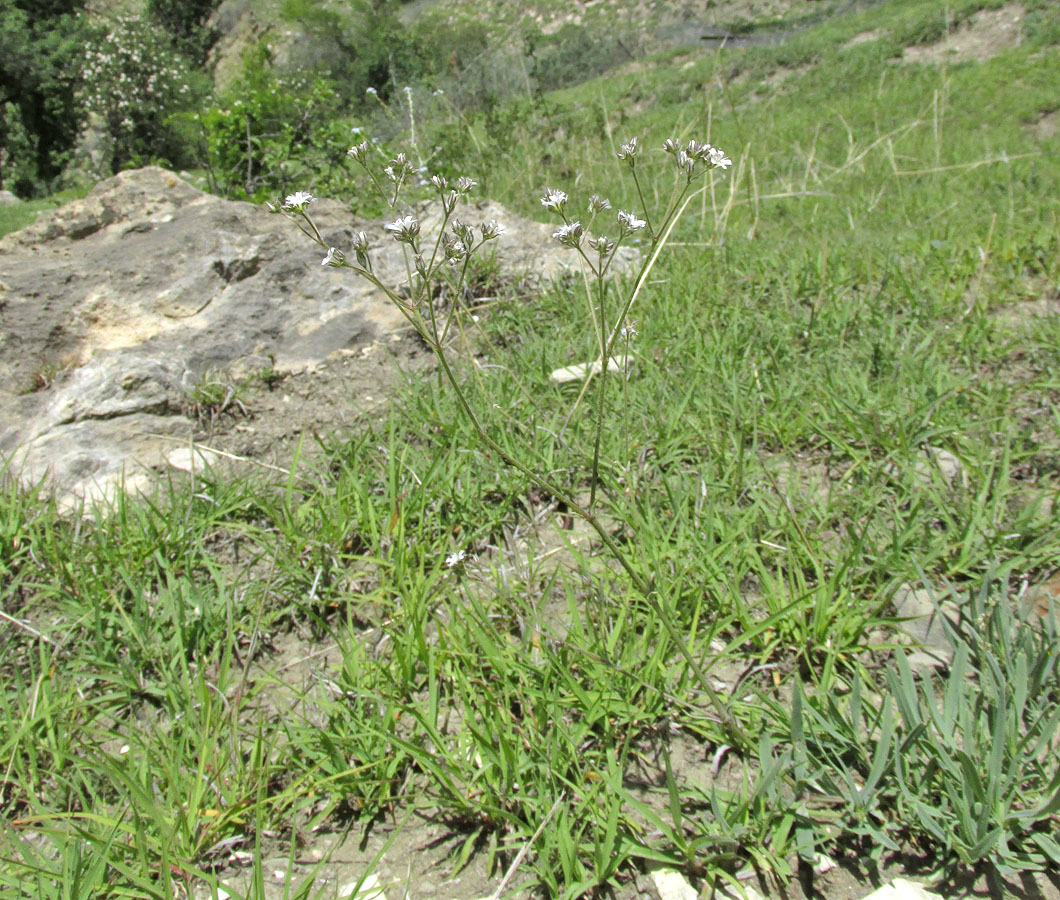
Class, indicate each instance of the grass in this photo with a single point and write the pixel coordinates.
(17, 216)
(856, 291)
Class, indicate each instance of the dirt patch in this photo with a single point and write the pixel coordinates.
(865, 37)
(1047, 127)
(988, 33)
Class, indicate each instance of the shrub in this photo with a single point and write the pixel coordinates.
(40, 115)
(135, 80)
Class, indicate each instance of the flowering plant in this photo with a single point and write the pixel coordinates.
(134, 80)
(434, 262)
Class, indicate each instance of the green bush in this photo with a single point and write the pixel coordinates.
(276, 135)
(40, 114)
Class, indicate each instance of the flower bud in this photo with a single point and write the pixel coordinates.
(628, 150)
(598, 204)
(335, 258)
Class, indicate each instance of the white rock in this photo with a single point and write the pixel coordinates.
(730, 892)
(366, 888)
(924, 627)
(191, 459)
(823, 863)
(672, 885)
(931, 462)
(902, 889)
(581, 371)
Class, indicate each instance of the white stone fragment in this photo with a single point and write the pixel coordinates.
(672, 885)
(581, 371)
(366, 888)
(902, 889)
(191, 459)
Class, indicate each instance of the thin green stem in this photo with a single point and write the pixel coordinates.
(600, 393)
(643, 205)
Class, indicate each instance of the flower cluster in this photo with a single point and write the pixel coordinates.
(694, 153)
(690, 160)
(134, 80)
(454, 245)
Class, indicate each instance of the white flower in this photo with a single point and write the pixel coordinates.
(718, 159)
(298, 201)
(464, 184)
(404, 229)
(569, 235)
(554, 200)
(454, 559)
(335, 258)
(629, 222)
(371, 90)
(491, 229)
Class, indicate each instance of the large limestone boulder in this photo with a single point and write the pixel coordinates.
(113, 307)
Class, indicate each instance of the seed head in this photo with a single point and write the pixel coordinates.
(671, 146)
(439, 182)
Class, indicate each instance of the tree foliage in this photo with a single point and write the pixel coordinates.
(40, 115)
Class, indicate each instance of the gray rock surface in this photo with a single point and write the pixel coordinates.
(114, 306)
(924, 628)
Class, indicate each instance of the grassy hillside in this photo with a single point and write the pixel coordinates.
(844, 390)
